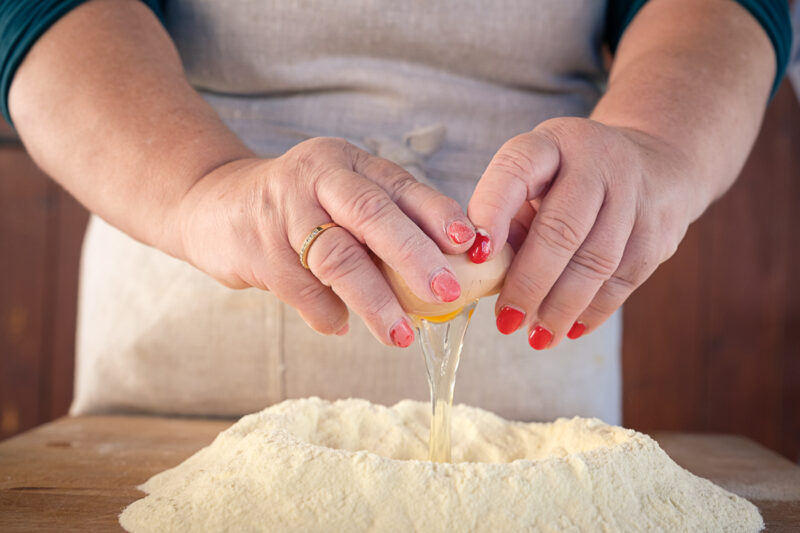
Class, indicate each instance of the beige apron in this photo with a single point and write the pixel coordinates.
(156, 335)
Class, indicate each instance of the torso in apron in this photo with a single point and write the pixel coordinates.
(370, 71)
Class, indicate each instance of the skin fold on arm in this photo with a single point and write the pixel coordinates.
(595, 205)
(102, 105)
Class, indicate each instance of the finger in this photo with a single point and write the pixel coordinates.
(317, 304)
(520, 225)
(520, 171)
(368, 213)
(593, 264)
(439, 216)
(634, 269)
(564, 220)
(338, 260)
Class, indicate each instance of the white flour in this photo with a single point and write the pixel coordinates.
(311, 465)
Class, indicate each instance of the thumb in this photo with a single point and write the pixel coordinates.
(520, 171)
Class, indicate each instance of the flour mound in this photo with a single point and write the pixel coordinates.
(312, 465)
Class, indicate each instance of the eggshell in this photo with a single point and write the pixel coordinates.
(477, 281)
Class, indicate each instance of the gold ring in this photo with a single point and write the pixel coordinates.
(316, 232)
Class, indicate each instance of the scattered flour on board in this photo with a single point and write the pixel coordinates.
(312, 465)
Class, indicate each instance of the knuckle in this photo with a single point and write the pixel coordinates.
(593, 265)
(303, 163)
(529, 287)
(311, 294)
(556, 230)
(315, 154)
(611, 296)
(403, 184)
(562, 128)
(622, 284)
(600, 309)
(559, 309)
(412, 248)
(490, 201)
(424, 201)
(566, 128)
(378, 309)
(339, 260)
(315, 144)
(368, 206)
(515, 161)
(390, 175)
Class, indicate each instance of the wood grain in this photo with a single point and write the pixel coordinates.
(41, 231)
(65, 234)
(23, 240)
(79, 473)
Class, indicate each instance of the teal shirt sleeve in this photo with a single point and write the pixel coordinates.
(24, 21)
(773, 15)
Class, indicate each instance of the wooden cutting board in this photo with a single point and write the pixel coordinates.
(77, 474)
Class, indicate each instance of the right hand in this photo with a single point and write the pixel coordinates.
(245, 222)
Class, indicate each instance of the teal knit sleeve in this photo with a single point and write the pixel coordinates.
(21, 23)
(773, 15)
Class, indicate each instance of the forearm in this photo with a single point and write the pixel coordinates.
(696, 76)
(102, 105)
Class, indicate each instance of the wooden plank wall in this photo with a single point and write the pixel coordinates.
(41, 230)
(711, 341)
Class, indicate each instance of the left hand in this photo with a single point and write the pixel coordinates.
(592, 211)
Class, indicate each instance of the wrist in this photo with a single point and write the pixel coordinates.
(190, 212)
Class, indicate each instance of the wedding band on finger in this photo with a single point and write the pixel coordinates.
(316, 232)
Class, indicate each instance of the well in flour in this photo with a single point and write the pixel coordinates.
(313, 465)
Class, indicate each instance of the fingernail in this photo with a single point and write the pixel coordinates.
(539, 338)
(344, 330)
(480, 249)
(401, 333)
(576, 330)
(445, 286)
(459, 232)
(509, 319)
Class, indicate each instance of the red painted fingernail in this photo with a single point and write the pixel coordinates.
(576, 330)
(459, 232)
(445, 286)
(509, 319)
(481, 248)
(539, 338)
(402, 335)
(344, 330)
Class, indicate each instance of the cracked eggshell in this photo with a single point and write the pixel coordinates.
(477, 281)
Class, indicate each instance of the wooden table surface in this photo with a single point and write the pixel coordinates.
(77, 474)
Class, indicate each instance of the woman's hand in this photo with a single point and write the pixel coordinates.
(614, 195)
(592, 210)
(136, 144)
(245, 222)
